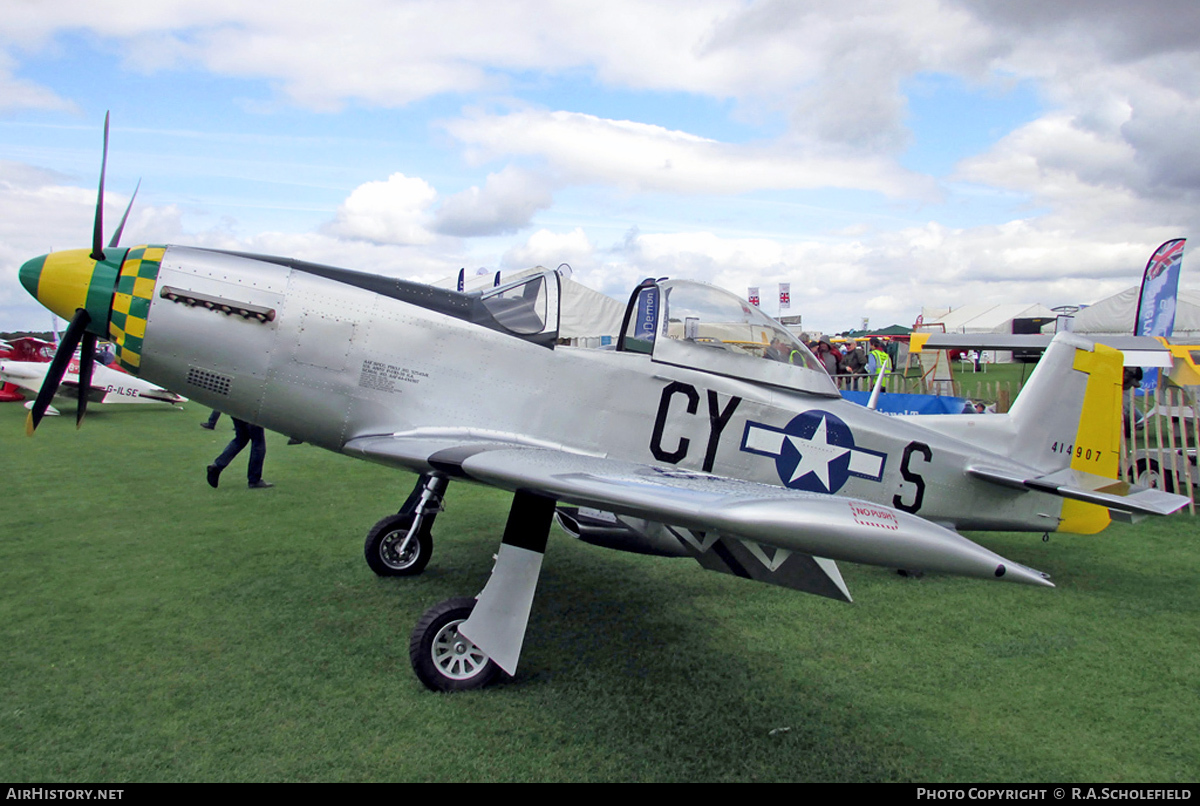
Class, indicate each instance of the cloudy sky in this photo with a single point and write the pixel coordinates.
(879, 155)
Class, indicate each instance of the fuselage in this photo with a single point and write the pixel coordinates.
(327, 357)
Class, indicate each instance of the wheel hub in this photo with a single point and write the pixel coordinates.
(454, 654)
(394, 553)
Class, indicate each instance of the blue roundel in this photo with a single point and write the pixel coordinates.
(816, 452)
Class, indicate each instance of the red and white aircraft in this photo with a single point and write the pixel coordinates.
(107, 385)
(25, 348)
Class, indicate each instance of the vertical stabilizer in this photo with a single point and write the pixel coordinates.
(1068, 416)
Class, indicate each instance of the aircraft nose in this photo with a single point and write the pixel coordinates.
(72, 279)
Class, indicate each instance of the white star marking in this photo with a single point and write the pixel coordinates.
(815, 455)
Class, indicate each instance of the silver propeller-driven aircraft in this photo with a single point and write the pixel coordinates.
(709, 432)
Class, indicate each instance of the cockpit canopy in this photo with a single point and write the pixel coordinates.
(702, 327)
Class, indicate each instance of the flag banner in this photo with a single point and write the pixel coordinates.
(785, 295)
(647, 314)
(1156, 302)
(1160, 287)
(754, 296)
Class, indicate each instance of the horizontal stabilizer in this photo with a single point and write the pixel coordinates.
(50, 410)
(1139, 351)
(1115, 494)
(162, 396)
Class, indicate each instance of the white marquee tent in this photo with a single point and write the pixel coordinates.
(1114, 315)
(984, 318)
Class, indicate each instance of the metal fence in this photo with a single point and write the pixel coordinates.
(1159, 440)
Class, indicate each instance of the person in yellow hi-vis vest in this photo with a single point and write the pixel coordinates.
(878, 361)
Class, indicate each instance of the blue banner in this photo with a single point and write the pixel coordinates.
(890, 403)
(647, 314)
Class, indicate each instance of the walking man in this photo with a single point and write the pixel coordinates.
(243, 433)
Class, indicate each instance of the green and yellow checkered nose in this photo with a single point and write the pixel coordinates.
(131, 303)
(116, 292)
(67, 281)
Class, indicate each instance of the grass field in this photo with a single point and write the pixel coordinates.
(154, 629)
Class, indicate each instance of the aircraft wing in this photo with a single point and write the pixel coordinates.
(25, 374)
(70, 390)
(30, 375)
(822, 526)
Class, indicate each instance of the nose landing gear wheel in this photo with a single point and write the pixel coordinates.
(442, 657)
(385, 551)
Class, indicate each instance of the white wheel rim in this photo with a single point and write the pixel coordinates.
(454, 656)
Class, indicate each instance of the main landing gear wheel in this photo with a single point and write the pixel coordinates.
(385, 550)
(443, 658)
(1150, 475)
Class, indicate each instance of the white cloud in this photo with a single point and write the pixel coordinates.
(508, 201)
(38, 208)
(388, 53)
(888, 276)
(17, 93)
(1054, 159)
(395, 211)
(425, 264)
(835, 70)
(1107, 169)
(41, 215)
(583, 148)
(546, 248)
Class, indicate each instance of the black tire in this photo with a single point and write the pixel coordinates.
(1149, 475)
(384, 540)
(443, 659)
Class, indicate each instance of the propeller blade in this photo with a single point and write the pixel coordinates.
(87, 360)
(57, 368)
(98, 228)
(116, 238)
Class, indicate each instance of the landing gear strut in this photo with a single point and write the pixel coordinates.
(401, 544)
(463, 644)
